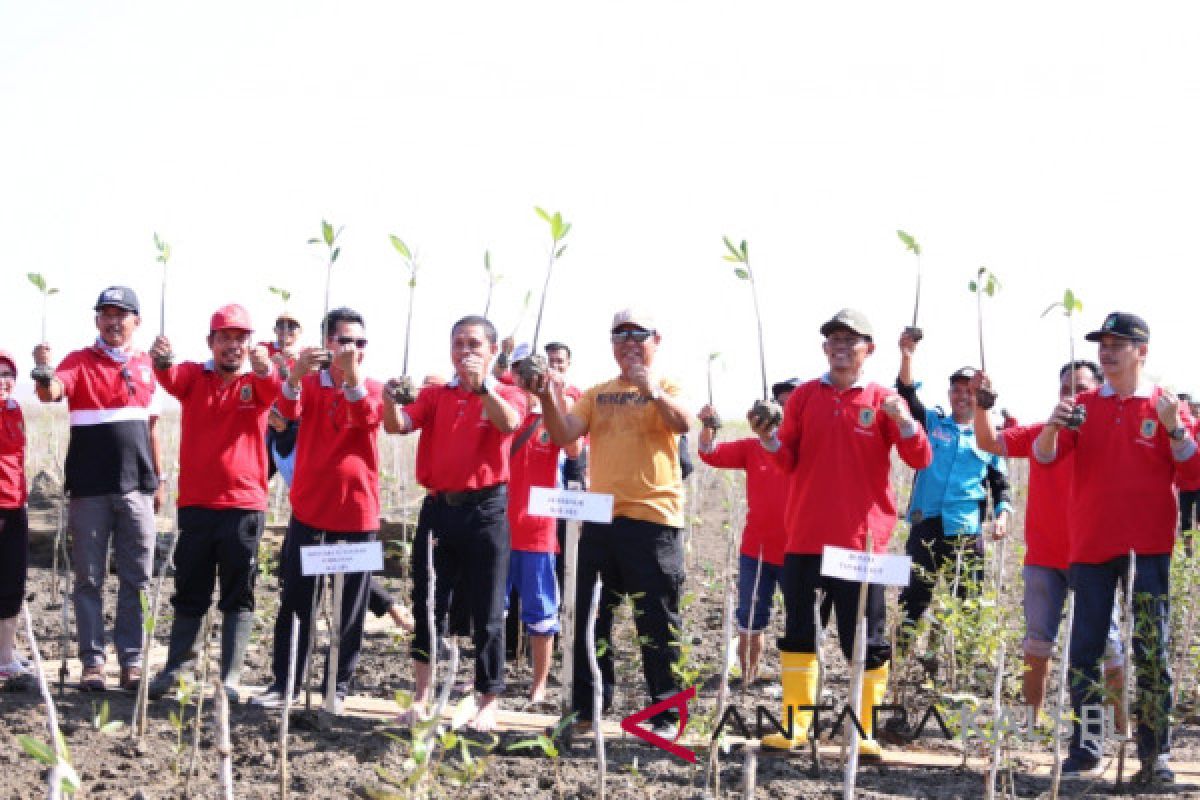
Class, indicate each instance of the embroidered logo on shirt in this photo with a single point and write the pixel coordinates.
(866, 417)
(147, 375)
(544, 436)
(246, 394)
(1149, 428)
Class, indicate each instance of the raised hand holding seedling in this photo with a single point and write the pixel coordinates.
(987, 283)
(536, 362)
(403, 389)
(912, 246)
(328, 238)
(1070, 305)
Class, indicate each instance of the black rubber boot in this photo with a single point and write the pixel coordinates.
(181, 655)
(235, 635)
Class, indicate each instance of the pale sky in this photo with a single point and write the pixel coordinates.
(1055, 143)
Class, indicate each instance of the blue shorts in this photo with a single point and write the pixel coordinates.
(768, 580)
(533, 576)
(1045, 595)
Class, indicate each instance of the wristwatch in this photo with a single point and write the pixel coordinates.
(1178, 434)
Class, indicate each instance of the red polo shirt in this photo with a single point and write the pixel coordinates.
(835, 446)
(1046, 539)
(1123, 493)
(534, 464)
(461, 450)
(13, 490)
(222, 449)
(766, 495)
(336, 485)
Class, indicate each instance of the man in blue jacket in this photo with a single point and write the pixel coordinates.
(949, 499)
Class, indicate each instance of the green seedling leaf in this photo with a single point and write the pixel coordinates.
(400, 246)
(542, 213)
(51, 291)
(337, 251)
(745, 251)
(974, 287)
(909, 243)
(327, 233)
(734, 253)
(741, 273)
(487, 260)
(37, 280)
(39, 751)
(314, 241)
(713, 356)
(558, 253)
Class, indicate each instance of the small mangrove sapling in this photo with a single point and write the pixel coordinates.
(403, 390)
(1070, 306)
(765, 410)
(985, 282)
(493, 278)
(914, 247)
(328, 238)
(39, 281)
(533, 366)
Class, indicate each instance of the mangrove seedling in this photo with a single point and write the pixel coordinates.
(282, 294)
(764, 410)
(40, 282)
(403, 390)
(328, 238)
(1070, 305)
(713, 421)
(493, 278)
(164, 256)
(987, 283)
(535, 364)
(914, 247)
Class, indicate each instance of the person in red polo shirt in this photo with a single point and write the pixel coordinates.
(835, 445)
(14, 523)
(534, 459)
(335, 490)
(763, 538)
(1045, 568)
(222, 489)
(281, 433)
(113, 471)
(1131, 440)
(467, 429)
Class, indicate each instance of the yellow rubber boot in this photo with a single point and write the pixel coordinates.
(873, 688)
(799, 679)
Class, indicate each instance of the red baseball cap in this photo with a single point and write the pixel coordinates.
(7, 356)
(231, 316)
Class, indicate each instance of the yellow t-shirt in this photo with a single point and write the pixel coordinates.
(634, 456)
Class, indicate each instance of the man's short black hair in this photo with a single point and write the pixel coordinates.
(1090, 366)
(557, 346)
(489, 329)
(343, 314)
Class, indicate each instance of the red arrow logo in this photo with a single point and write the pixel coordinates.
(631, 724)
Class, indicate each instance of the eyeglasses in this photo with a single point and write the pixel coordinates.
(844, 340)
(8, 376)
(359, 343)
(638, 335)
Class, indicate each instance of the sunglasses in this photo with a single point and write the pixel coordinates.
(8, 376)
(638, 335)
(359, 343)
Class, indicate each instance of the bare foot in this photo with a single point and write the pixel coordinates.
(485, 715)
(537, 694)
(402, 617)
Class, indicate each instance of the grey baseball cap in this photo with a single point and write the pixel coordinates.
(850, 319)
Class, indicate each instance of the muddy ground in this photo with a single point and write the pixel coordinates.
(349, 758)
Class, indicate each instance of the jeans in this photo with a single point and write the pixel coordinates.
(297, 596)
(213, 541)
(801, 579)
(128, 521)
(470, 564)
(645, 560)
(1094, 585)
(932, 551)
(768, 579)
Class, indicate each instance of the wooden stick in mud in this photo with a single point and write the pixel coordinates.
(597, 688)
(223, 746)
(335, 643)
(1064, 662)
(727, 604)
(1127, 640)
(819, 644)
(850, 737)
(191, 770)
(138, 728)
(54, 778)
(284, 781)
(314, 609)
(570, 572)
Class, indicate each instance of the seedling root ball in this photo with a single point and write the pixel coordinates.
(1076, 418)
(531, 368)
(914, 333)
(767, 412)
(985, 398)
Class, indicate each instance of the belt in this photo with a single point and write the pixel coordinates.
(469, 497)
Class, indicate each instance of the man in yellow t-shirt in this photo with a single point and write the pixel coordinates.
(635, 421)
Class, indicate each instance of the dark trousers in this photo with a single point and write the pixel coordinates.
(1188, 505)
(642, 559)
(14, 559)
(932, 551)
(216, 542)
(297, 597)
(470, 564)
(1094, 585)
(801, 579)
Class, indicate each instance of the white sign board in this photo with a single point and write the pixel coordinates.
(570, 504)
(329, 559)
(857, 566)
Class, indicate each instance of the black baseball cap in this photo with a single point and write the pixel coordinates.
(963, 374)
(1122, 324)
(119, 296)
(784, 386)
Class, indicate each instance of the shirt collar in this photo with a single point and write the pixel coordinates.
(118, 354)
(859, 382)
(326, 379)
(1143, 390)
(10, 404)
(211, 366)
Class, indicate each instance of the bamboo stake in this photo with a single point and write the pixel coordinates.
(60, 542)
(850, 737)
(1064, 662)
(314, 609)
(1127, 637)
(597, 688)
(138, 729)
(54, 779)
(723, 687)
(997, 710)
(224, 748)
(335, 643)
(443, 696)
(287, 709)
(431, 616)
(570, 572)
(749, 772)
(819, 642)
(191, 770)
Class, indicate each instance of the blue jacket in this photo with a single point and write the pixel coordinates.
(955, 485)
